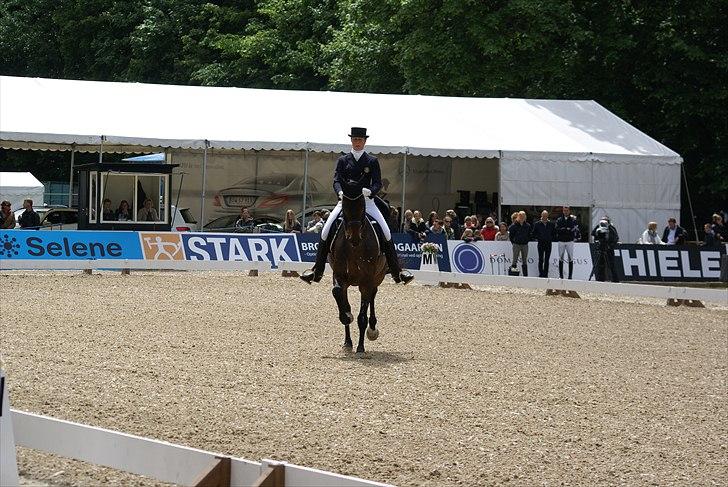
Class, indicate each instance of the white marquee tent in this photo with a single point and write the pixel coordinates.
(550, 151)
(16, 187)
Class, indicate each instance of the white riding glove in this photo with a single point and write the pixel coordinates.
(366, 192)
(341, 194)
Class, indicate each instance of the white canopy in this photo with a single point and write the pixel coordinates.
(18, 186)
(52, 114)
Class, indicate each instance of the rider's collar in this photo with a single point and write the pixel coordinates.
(357, 154)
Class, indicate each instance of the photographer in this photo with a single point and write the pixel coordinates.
(606, 239)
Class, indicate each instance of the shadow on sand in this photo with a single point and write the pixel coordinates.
(376, 358)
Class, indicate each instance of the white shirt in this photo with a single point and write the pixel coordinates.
(357, 154)
(671, 236)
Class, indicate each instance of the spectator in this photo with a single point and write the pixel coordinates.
(438, 229)
(673, 234)
(107, 213)
(489, 230)
(7, 217)
(29, 218)
(393, 221)
(291, 223)
(431, 219)
(467, 224)
(719, 230)
(514, 217)
(245, 224)
(123, 213)
(649, 236)
(502, 235)
(520, 233)
(418, 227)
(567, 232)
(325, 215)
(454, 223)
(468, 235)
(447, 226)
(315, 222)
(544, 231)
(147, 213)
(606, 237)
(407, 223)
(710, 240)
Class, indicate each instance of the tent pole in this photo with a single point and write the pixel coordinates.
(690, 203)
(204, 186)
(305, 189)
(500, 188)
(101, 150)
(404, 185)
(70, 179)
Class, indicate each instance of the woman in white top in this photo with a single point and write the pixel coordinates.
(650, 237)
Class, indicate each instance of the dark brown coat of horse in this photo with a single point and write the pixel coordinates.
(356, 260)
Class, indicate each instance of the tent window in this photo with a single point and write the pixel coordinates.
(150, 196)
(117, 189)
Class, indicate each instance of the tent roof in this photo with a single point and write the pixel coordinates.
(23, 180)
(38, 113)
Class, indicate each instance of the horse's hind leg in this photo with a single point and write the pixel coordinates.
(372, 332)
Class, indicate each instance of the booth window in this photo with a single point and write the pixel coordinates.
(132, 198)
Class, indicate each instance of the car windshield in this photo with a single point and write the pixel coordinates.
(187, 216)
(223, 222)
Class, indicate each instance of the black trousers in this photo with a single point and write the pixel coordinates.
(605, 268)
(544, 255)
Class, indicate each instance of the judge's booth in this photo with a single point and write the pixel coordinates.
(125, 196)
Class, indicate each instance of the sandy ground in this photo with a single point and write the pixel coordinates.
(478, 387)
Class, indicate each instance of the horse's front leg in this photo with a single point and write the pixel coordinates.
(372, 332)
(342, 302)
(362, 319)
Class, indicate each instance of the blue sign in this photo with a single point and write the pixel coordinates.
(69, 245)
(468, 259)
(308, 243)
(273, 248)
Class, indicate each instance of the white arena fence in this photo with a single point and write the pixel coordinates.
(159, 460)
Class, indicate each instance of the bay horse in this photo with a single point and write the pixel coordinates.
(356, 260)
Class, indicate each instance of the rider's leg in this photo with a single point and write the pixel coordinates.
(398, 274)
(319, 267)
(570, 254)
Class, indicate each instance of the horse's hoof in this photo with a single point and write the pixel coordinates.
(372, 334)
(360, 352)
(347, 347)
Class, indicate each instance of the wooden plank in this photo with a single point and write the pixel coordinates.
(273, 475)
(218, 475)
(142, 456)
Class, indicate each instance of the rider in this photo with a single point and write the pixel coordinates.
(357, 171)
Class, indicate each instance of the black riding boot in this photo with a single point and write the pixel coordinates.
(561, 269)
(395, 270)
(319, 267)
(524, 269)
(571, 269)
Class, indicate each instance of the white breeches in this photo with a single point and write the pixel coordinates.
(567, 247)
(372, 211)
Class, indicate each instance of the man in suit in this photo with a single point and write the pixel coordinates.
(358, 172)
(673, 234)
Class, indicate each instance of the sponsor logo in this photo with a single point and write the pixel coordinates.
(263, 248)
(69, 245)
(468, 259)
(161, 246)
(9, 246)
(670, 263)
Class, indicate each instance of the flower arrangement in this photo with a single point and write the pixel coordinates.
(430, 248)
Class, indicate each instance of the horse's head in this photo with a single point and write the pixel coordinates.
(354, 211)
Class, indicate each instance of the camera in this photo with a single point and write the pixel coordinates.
(602, 231)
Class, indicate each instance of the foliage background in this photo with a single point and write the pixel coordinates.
(662, 66)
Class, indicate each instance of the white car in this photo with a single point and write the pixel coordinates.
(53, 218)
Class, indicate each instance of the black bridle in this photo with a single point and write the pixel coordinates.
(353, 199)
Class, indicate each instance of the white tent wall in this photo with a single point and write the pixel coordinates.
(648, 189)
(18, 186)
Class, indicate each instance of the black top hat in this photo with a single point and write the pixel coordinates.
(359, 132)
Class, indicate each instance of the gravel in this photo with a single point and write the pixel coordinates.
(479, 387)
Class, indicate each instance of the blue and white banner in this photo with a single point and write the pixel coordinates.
(69, 245)
(273, 248)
